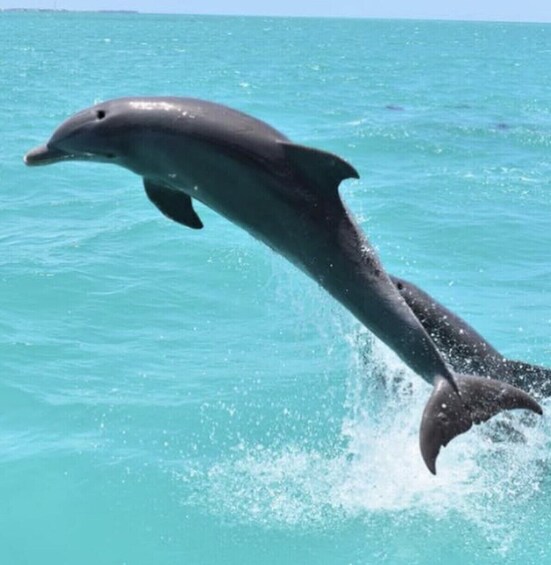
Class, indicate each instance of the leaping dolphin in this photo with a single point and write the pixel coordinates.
(465, 350)
(285, 195)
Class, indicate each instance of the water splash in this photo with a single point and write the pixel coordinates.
(484, 477)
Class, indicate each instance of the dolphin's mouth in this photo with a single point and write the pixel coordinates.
(45, 155)
(48, 154)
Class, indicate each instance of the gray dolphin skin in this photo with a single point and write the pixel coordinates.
(285, 195)
(465, 350)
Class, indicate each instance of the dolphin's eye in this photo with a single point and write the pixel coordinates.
(100, 114)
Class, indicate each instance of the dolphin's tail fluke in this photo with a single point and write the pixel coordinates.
(448, 414)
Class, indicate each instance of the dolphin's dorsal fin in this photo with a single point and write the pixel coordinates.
(323, 170)
(174, 204)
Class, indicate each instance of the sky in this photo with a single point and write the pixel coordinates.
(496, 10)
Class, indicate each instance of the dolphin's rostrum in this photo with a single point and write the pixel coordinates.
(286, 195)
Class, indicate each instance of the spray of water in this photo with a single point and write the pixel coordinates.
(484, 476)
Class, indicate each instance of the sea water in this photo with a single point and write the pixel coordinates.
(177, 396)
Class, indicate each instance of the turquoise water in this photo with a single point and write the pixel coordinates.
(170, 396)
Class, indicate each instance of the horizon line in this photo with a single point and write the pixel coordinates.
(297, 16)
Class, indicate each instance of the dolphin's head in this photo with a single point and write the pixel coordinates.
(94, 134)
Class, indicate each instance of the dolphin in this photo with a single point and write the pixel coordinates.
(465, 350)
(286, 195)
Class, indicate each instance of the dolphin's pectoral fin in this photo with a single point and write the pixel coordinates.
(323, 170)
(174, 204)
(448, 414)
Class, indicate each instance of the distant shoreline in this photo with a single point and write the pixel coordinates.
(57, 10)
(274, 16)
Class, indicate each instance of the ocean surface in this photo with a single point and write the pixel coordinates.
(171, 396)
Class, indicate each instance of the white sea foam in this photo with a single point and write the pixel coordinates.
(483, 476)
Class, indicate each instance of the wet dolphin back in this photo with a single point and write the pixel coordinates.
(465, 349)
